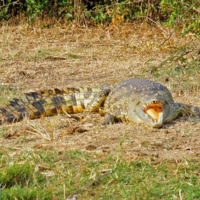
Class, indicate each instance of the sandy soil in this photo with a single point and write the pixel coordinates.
(72, 56)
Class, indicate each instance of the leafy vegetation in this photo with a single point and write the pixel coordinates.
(108, 11)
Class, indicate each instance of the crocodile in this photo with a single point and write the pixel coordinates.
(136, 100)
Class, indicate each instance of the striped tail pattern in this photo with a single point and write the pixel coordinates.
(51, 102)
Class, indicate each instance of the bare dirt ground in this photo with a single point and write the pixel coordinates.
(67, 55)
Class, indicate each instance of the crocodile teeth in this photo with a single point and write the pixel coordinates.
(154, 110)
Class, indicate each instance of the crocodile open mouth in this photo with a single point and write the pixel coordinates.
(154, 110)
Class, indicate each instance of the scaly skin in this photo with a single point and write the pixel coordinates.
(51, 102)
(137, 100)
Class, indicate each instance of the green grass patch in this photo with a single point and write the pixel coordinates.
(44, 53)
(73, 56)
(41, 54)
(52, 174)
(17, 175)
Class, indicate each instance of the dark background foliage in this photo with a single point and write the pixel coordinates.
(167, 12)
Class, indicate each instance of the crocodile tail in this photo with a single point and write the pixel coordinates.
(47, 103)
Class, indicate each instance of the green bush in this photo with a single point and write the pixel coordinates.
(168, 12)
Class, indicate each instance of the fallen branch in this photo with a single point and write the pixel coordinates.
(192, 8)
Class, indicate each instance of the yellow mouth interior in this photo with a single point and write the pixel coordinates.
(154, 111)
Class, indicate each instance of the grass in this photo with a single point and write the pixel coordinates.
(7, 92)
(181, 68)
(56, 175)
(54, 157)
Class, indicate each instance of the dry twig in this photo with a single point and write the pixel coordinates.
(73, 196)
(153, 22)
(5, 5)
(177, 25)
(173, 30)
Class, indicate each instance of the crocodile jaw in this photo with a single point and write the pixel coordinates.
(152, 113)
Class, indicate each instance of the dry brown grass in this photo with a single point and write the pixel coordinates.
(67, 55)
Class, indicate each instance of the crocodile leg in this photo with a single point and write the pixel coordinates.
(195, 111)
(109, 119)
(97, 101)
(177, 109)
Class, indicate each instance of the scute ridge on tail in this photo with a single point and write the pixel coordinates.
(47, 103)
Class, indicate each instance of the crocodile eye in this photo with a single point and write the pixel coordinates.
(166, 102)
(139, 102)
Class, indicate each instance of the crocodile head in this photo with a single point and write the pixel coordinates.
(142, 101)
(154, 111)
